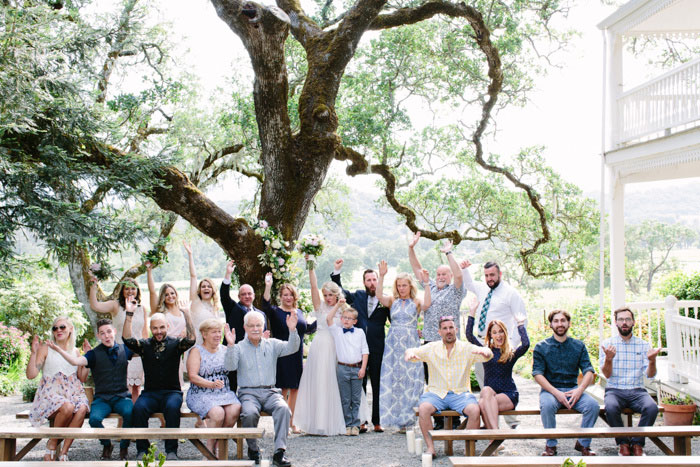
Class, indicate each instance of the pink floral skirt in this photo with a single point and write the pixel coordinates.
(55, 391)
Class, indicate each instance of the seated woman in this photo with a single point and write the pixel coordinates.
(60, 396)
(499, 392)
(209, 395)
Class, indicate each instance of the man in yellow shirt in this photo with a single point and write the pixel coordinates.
(449, 366)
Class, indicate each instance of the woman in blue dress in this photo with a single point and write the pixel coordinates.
(499, 392)
(209, 395)
(401, 382)
(289, 368)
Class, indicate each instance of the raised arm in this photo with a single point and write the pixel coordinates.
(315, 295)
(152, 294)
(225, 289)
(331, 314)
(36, 358)
(292, 344)
(524, 341)
(110, 306)
(425, 282)
(383, 299)
(467, 277)
(454, 267)
(144, 328)
(335, 277)
(470, 329)
(69, 357)
(130, 308)
(268, 286)
(412, 258)
(193, 272)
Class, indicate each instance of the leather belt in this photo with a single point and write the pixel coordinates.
(353, 365)
(256, 387)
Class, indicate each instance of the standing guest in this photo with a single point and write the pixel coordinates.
(353, 353)
(499, 392)
(289, 367)
(108, 363)
(372, 317)
(446, 298)
(128, 291)
(256, 359)
(318, 409)
(555, 366)
(624, 360)
(209, 395)
(450, 361)
(60, 396)
(235, 311)
(402, 382)
(161, 361)
(497, 299)
(205, 304)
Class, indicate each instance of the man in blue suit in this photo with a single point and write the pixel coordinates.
(371, 318)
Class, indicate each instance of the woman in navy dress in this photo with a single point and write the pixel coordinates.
(499, 392)
(289, 368)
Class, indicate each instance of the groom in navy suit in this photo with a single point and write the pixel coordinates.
(371, 318)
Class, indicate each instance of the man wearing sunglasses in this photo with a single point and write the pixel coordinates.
(624, 359)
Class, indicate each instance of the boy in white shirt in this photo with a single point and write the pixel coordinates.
(352, 351)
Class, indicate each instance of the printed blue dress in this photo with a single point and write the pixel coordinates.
(211, 367)
(401, 382)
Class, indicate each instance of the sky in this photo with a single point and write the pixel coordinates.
(564, 114)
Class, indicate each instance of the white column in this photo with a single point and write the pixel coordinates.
(613, 88)
(617, 242)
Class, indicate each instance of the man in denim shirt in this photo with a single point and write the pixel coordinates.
(556, 363)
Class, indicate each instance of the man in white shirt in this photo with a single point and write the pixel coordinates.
(496, 300)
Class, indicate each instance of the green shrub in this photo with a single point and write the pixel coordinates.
(14, 346)
(32, 305)
(682, 286)
(28, 389)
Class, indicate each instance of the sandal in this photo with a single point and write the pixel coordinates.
(51, 453)
(63, 457)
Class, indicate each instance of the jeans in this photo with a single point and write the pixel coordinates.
(150, 402)
(636, 399)
(101, 408)
(585, 405)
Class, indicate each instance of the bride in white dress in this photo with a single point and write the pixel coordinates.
(318, 410)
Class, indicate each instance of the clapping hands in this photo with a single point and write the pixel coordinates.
(292, 320)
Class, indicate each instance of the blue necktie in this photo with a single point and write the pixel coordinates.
(348, 330)
(484, 310)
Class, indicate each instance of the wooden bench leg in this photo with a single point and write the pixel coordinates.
(28, 447)
(239, 448)
(470, 448)
(681, 446)
(203, 449)
(8, 446)
(162, 420)
(660, 444)
(448, 447)
(222, 452)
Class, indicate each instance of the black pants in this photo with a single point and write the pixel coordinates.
(374, 366)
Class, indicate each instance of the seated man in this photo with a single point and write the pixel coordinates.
(161, 366)
(108, 362)
(555, 365)
(255, 359)
(623, 360)
(449, 365)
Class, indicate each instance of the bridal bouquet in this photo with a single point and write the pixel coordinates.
(311, 245)
(101, 271)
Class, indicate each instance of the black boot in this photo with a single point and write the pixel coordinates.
(254, 456)
(439, 423)
(280, 460)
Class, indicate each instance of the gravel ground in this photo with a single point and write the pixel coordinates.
(386, 449)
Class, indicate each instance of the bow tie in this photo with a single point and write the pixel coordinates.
(348, 330)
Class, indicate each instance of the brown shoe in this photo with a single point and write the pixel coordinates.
(585, 451)
(378, 429)
(363, 428)
(624, 450)
(123, 453)
(637, 450)
(107, 452)
(549, 451)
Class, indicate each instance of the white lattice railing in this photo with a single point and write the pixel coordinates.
(669, 101)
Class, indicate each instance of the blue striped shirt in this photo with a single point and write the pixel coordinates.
(630, 362)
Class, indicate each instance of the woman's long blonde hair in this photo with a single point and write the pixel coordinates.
(161, 299)
(71, 336)
(214, 296)
(506, 349)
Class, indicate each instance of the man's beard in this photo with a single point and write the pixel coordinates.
(624, 333)
(556, 331)
(370, 292)
(495, 284)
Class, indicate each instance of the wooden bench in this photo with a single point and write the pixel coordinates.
(8, 438)
(239, 442)
(681, 435)
(217, 463)
(599, 461)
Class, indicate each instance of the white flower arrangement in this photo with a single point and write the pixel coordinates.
(276, 255)
(311, 245)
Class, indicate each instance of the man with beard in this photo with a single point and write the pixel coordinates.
(624, 359)
(371, 318)
(161, 366)
(556, 362)
(446, 298)
(450, 362)
(496, 299)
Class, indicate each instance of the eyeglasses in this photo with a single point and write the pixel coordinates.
(61, 327)
(625, 320)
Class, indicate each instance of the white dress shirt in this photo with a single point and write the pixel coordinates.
(349, 346)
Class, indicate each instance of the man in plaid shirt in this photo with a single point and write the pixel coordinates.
(624, 360)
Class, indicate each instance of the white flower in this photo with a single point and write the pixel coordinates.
(280, 261)
(274, 270)
(267, 242)
(94, 267)
(276, 244)
(314, 242)
(263, 224)
(282, 269)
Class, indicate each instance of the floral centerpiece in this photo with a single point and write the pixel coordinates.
(102, 271)
(312, 246)
(276, 255)
(156, 255)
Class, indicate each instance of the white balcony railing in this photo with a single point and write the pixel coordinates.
(654, 108)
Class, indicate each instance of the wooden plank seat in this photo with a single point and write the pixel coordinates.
(681, 435)
(239, 442)
(185, 463)
(557, 461)
(9, 437)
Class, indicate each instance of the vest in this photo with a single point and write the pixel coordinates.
(110, 378)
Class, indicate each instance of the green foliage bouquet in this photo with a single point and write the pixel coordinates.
(156, 255)
(276, 255)
(311, 245)
(102, 271)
